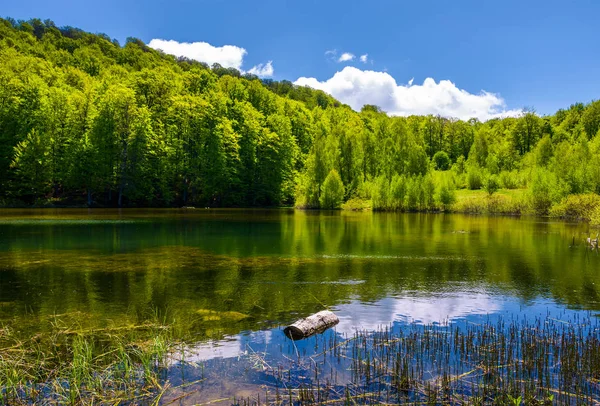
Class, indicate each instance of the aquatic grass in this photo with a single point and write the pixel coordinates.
(534, 362)
(97, 366)
(518, 361)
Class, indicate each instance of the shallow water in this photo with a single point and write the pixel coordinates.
(229, 279)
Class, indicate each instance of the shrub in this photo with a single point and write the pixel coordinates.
(496, 204)
(427, 200)
(474, 178)
(543, 191)
(446, 195)
(413, 190)
(595, 217)
(581, 206)
(442, 161)
(509, 180)
(381, 194)
(357, 204)
(397, 192)
(332, 191)
(492, 184)
(459, 165)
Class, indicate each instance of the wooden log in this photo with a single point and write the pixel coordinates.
(317, 323)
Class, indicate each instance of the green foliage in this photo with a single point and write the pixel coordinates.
(413, 190)
(397, 192)
(494, 204)
(441, 161)
(595, 216)
(332, 191)
(583, 206)
(544, 151)
(543, 191)
(446, 195)
(381, 194)
(427, 196)
(474, 178)
(357, 204)
(85, 120)
(491, 184)
(509, 180)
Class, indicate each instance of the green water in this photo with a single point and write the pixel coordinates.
(218, 273)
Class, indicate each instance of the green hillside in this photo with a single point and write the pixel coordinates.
(86, 120)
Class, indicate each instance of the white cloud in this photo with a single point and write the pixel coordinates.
(346, 56)
(414, 309)
(229, 56)
(410, 82)
(262, 70)
(364, 58)
(359, 87)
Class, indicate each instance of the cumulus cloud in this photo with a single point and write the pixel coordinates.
(346, 57)
(364, 58)
(229, 56)
(262, 70)
(357, 87)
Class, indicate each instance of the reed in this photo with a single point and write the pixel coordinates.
(98, 366)
(533, 362)
(538, 361)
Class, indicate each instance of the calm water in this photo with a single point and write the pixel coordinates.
(229, 279)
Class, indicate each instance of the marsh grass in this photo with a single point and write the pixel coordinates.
(519, 361)
(541, 362)
(100, 366)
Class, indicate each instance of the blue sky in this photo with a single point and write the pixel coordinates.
(544, 54)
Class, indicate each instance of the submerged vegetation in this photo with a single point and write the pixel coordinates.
(111, 306)
(538, 362)
(86, 121)
(71, 364)
(535, 362)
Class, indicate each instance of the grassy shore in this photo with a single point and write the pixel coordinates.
(583, 207)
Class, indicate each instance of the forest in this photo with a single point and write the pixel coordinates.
(86, 121)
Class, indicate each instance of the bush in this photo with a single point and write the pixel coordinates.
(442, 161)
(581, 206)
(492, 184)
(427, 200)
(509, 180)
(595, 217)
(474, 178)
(381, 194)
(446, 195)
(397, 192)
(543, 191)
(366, 189)
(413, 189)
(357, 204)
(496, 204)
(332, 191)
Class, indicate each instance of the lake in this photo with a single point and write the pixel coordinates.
(229, 280)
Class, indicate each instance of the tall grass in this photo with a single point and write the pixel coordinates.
(83, 367)
(533, 362)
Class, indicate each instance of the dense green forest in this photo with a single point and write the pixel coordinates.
(84, 120)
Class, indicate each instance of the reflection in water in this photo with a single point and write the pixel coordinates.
(257, 269)
(227, 281)
(262, 361)
(415, 309)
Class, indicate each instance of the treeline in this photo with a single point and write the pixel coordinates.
(84, 120)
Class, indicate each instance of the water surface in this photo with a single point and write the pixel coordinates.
(229, 279)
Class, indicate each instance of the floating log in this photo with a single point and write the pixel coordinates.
(317, 323)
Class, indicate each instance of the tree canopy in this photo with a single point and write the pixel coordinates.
(84, 120)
